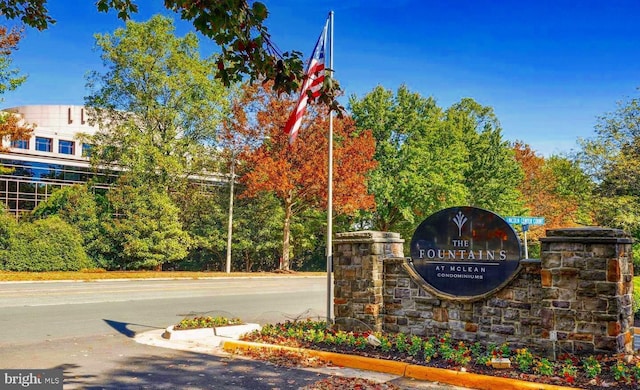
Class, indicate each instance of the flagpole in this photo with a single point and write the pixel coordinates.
(330, 186)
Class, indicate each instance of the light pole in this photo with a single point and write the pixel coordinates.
(230, 225)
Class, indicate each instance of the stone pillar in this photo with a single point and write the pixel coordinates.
(358, 275)
(587, 281)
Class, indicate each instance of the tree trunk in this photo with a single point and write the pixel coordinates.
(248, 263)
(286, 246)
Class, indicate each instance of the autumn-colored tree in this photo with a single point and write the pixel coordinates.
(547, 193)
(13, 128)
(297, 174)
(11, 125)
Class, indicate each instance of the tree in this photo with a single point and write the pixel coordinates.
(237, 136)
(157, 106)
(145, 232)
(257, 244)
(420, 165)
(297, 174)
(77, 206)
(239, 29)
(492, 175)
(203, 215)
(554, 188)
(8, 227)
(11, 125)
(430, 159)
(611, 160)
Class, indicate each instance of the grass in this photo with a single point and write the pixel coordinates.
(6, 276)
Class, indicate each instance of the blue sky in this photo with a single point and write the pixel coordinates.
(548, 68)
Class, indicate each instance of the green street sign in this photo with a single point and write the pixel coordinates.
(525, 220)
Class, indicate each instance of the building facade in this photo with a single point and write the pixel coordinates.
(52, 157)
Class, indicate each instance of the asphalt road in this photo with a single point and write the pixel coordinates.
(44, 311)
(87, 329)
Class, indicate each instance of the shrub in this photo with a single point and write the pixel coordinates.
(77, 206)
(206, 322)
(8, 227)
(636, 301)
(48, 244)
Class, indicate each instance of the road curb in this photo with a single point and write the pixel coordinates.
(475, 381)
(457, 378)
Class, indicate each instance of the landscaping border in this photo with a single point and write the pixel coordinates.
(457, 378)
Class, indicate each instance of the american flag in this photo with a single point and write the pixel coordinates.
(311, 86)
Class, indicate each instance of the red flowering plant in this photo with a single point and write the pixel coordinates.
(569, 371)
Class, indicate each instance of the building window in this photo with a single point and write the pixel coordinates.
(66, 147)
(44, 144)
(86, 150)
(20, 144)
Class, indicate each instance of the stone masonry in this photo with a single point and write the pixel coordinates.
(357, 268)
(577, 298)
(587, 282)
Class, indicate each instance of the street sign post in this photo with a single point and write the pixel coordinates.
(525, 222)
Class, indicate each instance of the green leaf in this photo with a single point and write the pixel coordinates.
(259, 11)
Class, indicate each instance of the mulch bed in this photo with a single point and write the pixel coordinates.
(603, 381)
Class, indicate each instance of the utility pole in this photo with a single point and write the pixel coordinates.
(230, 226)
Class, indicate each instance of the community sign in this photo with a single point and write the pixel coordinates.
(465, 252)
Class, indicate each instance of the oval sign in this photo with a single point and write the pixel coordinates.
(465, 251)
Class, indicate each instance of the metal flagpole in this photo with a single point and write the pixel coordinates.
(330, 186)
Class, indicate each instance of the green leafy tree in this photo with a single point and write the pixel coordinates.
(492, 175)
(257, 240)
(203, 215)
(145, 232)
(77, 206)
(157, 105)
(421, 161)
(572, 185)
(611, 159)
(430, 159)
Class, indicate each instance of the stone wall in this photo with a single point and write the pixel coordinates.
(512, 315)
(358, 277)
(587, 280)
(577, 298)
